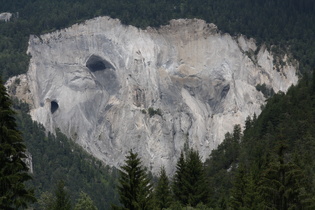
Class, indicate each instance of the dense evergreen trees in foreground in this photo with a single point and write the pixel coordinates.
(189, 187)
(13, 170)
(135, 189)
(268, 166)
(272, 166)
(60, 200)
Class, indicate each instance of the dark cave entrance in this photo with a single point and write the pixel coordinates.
(96, 66)
(53, 106)
(96, 63)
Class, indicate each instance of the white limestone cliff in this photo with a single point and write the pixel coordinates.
(96, 81)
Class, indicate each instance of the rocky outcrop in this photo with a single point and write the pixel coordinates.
(113, 87)
(5, 16)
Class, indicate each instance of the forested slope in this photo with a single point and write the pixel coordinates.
(57, 158)
(277, 147)
(272, 163)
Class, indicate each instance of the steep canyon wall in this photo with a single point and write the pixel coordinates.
(99, 81)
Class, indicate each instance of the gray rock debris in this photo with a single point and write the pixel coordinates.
(96, 82)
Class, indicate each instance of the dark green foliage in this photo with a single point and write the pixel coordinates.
(189, 185)
(239, 189)
(313, 82)
(57, 157)
(274, 165)
(84, 203)
(62, 198)
(266, 91)
(178, 180)
(153, 112)
(163, 191)
(244, 193)
(283, 183)
(13, 170)
(221, 166)
(195, 179)
(134, 188)
(248, 123)
(46, 201)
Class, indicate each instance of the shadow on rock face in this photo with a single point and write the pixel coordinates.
(104, 73)
(53, 106)
(96, 63)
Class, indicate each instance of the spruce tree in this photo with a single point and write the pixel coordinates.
(62, 198)
(195, 179)
(46, 201)
(238, 191)
(283, 184)
(244, 194)
(163, 191)
(13, 170)
(189, 186)
(178, 180)
(248, 122)
(85, 203)
(134, 187)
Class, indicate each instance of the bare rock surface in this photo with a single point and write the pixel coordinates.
(5, 16)
(99, 81)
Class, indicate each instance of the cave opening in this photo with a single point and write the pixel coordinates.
(53, 106)
(96, 63)
(96, 66)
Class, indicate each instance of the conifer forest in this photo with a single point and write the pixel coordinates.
(268, 164)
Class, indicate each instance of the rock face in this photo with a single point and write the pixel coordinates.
(5, 16)
(113, 88)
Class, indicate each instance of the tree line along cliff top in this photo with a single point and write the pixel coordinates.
(288, 24)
